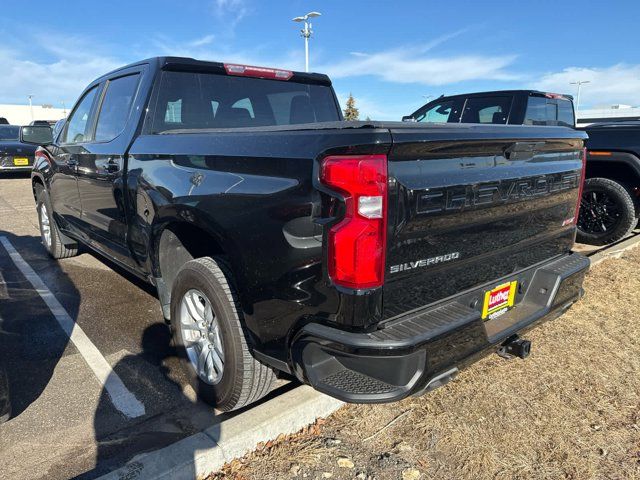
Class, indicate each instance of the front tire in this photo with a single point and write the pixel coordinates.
(607, 212)
(210, 338)
(49, 232)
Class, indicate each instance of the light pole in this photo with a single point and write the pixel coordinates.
(579, 83)
(30, 106)
(306, 33)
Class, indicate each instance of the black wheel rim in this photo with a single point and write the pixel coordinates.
(600, 213)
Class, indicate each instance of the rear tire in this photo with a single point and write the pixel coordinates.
(607, 212)
(210, 338)
(49, 232)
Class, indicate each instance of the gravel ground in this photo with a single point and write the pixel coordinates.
(571, 410)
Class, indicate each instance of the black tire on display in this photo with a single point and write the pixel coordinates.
(607, 212)
(51, 239)
(211, 340)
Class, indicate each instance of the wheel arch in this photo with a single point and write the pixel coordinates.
(36, 180)
(180, 239)
(623, 167)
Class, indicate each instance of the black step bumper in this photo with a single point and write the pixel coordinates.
(423, 350)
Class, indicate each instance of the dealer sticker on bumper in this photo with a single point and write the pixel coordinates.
(498, 300)
(21, 162)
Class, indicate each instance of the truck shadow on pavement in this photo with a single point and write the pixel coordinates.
(167, 420)
(31, 341)
(32, 344)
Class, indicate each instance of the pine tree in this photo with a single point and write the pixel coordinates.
(351, 112)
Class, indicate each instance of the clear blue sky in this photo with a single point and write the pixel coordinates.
(388, 54)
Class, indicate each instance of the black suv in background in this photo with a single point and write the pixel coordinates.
(16, 155)
(512, 107)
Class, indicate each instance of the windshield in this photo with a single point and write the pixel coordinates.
(9, 132)
(445, 111)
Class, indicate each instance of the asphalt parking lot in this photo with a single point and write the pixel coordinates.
(86, 405)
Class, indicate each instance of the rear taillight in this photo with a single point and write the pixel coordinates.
(357, 244)
(555, 95)
(581, 186)
(41, 155)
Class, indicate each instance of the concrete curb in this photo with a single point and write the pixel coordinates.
(616, 250)
(203, 453)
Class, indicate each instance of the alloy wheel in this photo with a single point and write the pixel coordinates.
(599, 212)
(45, 225)
(201, 336)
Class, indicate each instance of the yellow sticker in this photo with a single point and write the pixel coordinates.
(502, 296)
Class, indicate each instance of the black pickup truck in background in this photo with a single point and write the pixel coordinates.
(610, 205)
(370, 260)
(500, 107)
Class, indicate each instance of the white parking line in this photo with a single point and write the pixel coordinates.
(122, 398)
(3, 288)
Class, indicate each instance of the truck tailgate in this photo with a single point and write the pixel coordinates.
(471, 204)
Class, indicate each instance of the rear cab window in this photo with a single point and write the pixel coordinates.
(494, 110)
(566, 116)
(194, 100)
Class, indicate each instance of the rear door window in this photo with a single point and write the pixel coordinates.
(189, 100)
(487, 110)
(116, 107)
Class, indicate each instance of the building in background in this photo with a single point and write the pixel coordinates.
(613, 113)
(21, 114)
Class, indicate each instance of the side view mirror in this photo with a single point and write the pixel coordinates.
(36, 134)
(408, 118)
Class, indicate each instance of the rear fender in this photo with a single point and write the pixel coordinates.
(215, 242)
(623, 166)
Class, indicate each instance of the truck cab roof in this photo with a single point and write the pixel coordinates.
(193, 65)
(627, 124)
(504, 92)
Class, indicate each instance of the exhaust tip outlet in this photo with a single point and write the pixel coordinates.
(515, 347)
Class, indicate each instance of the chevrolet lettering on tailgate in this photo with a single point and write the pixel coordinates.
(489, 194)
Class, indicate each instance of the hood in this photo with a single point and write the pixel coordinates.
(14, 147)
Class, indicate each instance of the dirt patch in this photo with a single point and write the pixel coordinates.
(571, 410)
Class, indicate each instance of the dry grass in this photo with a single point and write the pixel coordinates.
(572, 410)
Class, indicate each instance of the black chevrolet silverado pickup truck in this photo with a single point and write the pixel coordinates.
(370, 260)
